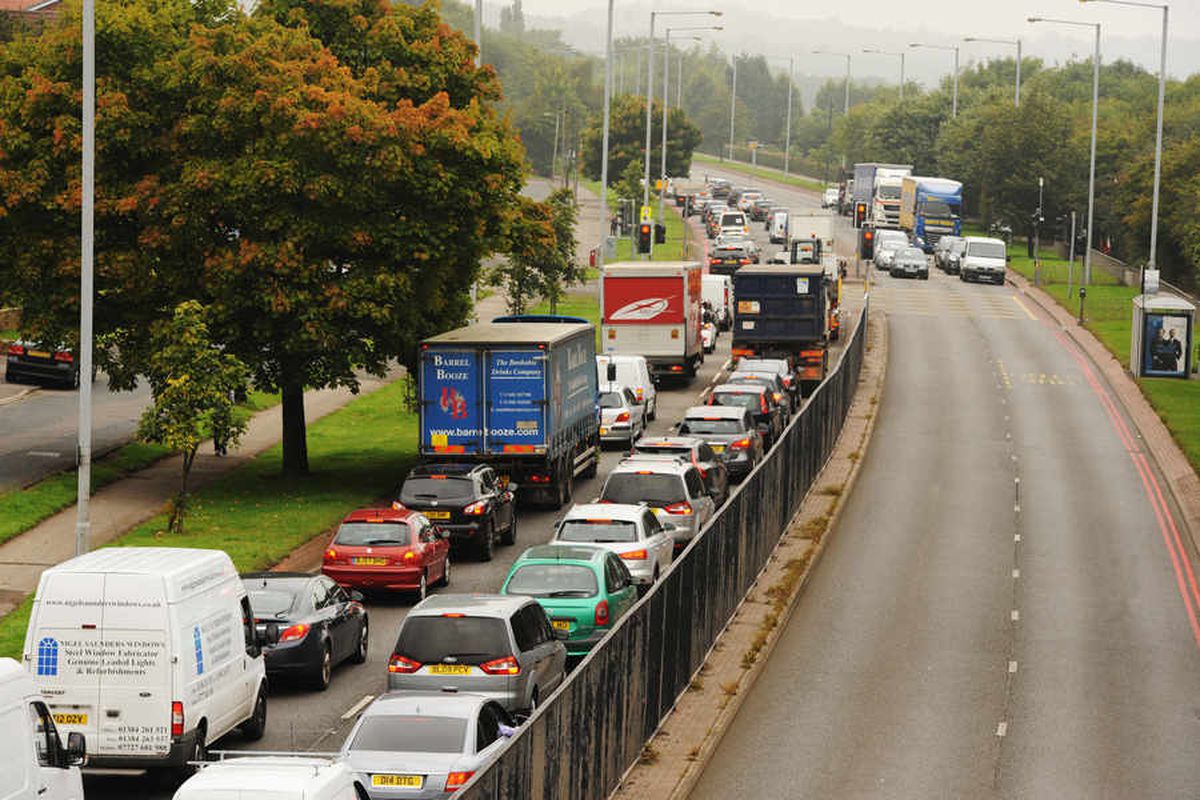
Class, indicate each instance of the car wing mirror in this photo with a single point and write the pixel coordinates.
(76, 753)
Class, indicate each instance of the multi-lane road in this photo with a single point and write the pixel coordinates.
(1005, 609)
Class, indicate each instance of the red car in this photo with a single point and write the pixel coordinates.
(388, 548)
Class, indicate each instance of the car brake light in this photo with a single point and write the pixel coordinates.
(409, 555)
(64, 356)
(457, 780)
(743, 260)
(331, 555)
(295, 633)
(477, 509)
(623, 416)
(778, 396)
(682, 507)
(602, 613)
(501, 666)
(740, 444)
(176, 718)
(398, 664)
(16, 350)
(634, 555)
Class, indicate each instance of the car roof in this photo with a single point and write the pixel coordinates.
(379, 515)
(276, 578)
(500, 606)
(982, 239)
(739, 388)
(563, 552)
(782, 362)
(622, 511)
(656, 466)
(904, 251)
(447, 468)
(668, 441)
(721, 412)
(441, 704)
(613, 386)
(156, 561)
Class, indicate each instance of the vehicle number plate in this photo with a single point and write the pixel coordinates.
(437, 514)
(449, 669)
(37, 353)
(718, 448)
(406, 781)
(371, 562)
(561, 624)
(70, 719)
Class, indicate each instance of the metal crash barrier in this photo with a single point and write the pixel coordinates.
(587, 734)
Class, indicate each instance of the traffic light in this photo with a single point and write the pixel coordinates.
(860, 214)
(660, 233)
(866, 244)
(645, 231)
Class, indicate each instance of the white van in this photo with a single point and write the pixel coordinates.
(34, 765)
(779, 227)
(983, 259)
(632, 372)
(718, 291)
(282, 777)
(150, 652)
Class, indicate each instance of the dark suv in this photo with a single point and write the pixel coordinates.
(467, 500)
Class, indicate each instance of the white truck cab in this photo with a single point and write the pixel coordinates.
(34, 763)
(150, 652)
(279, 777)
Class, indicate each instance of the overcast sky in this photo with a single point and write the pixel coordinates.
(782, 27)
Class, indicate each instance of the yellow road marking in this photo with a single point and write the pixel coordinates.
(1028, 313)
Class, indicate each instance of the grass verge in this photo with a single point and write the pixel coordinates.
(1108, 314)
(759, 172)
(22, 509)
(358, 453)
(576, 304)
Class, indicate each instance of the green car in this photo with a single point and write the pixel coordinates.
(583, 589)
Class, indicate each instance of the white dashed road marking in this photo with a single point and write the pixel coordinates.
(359, 706)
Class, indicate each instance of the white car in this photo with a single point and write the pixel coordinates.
(631, 531)
(887, 242)
(631, 371)
(622, 417)
(830, 198)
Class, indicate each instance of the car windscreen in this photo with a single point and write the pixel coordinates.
(469, 640)
(890, 242)
(597, 531)
(711, 426)
(553, 580)
(986, 250)
(638, 487)
(611, 400)
(273, 603)
(729, 220)
(358, 534)
(404, 733)
(447, 487)
(736, 400)
(958, 245)
(911, 252)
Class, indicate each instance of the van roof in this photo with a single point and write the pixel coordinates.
(15, 682)
(158, 561)
(300, 774)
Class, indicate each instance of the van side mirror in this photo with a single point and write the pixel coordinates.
(76, 753)
(612, 372)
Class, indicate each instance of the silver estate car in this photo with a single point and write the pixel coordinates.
(490, 644)
(630, 531)
(673, 489)
(418, 745)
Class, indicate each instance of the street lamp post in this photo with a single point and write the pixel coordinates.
(954, 47)
(900, 53)
(1162, 90)
(846, 109)
(666, 101)
(478, 32)
(1087, 252)
(1017, 42)
(608, 65)
(732, 106)
(83, 523)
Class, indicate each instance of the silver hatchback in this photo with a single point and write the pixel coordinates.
(490, 644)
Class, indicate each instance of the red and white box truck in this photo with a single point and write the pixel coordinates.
(652, 309)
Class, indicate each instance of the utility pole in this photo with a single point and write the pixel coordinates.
(732, 106)
(83, 524)
(608, 75)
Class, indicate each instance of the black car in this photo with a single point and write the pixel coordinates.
(312, 623)
(726, 259)
(470, 501)
(760, 208)
(34, 362)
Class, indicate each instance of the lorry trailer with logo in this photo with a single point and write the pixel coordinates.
(519, 395)
(652, 309)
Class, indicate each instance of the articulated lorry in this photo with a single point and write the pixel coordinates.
(521, 396)
(931, 208)
(877, 187)
(783, 312)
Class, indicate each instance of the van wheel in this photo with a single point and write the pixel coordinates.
(199, 753)
(364, 642)
(254, 728)
(324, 673)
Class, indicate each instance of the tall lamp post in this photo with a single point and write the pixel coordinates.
(787, 124)
(1087, 252)
(608, 75)
(1017, 42)
(83, 523)
(666, 102)
(732, 105)
(899, 53)
(954, 47)
(1162, 90)
(846, 110)
(478, 32)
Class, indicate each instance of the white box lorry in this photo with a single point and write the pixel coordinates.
(34, 763)
(652, 309)
(150, 652)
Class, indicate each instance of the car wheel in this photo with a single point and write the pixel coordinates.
(445, 579)
(510, 533)
(324, 674)
(484, 547)
(254, 728)
(652, 411)
(422, 587)
(11, 377)
(73, 381)
(364, 643)
(925, 276)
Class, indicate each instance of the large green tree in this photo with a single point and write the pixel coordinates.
(627, 139)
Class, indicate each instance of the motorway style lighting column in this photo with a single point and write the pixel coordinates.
(1087, 252)
(846, 110)
(891, 53)
(650, 93)
(1017, 42)
(787, 134)
(732, 106)
(608, 70)
(478, 32)
(1162, 90)
(954, 47)
(86, 282)
(666, 102)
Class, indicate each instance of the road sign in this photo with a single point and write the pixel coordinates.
(646, 215)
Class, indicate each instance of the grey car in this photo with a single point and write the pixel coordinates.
(673, 489)
(425, 745)
(732, 434)
(490, 644)
(910, 262)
